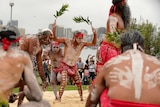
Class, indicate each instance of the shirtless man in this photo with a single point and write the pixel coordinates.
(72, 51)
(33, 45)
(17, 65)
(132, 78)
(119, 19)
(55, 54)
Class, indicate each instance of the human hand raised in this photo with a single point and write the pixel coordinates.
(93, 30)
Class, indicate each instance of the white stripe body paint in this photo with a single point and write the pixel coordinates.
(137, 68)
(125, 77)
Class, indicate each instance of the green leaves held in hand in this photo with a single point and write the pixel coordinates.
(81, 19)
(114, 38)
(61, 11)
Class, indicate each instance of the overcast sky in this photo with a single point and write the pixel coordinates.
(38, 14)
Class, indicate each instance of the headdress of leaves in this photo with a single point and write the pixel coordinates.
(81, 19)
(61, 11)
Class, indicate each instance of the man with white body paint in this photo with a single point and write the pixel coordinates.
(132, 78)
(55, 54)
(72, 51)
(16, 64)
(33, 45)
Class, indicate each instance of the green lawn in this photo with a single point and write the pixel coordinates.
(68, 87)
(49, 88)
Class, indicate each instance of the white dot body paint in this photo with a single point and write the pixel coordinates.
(36, 48)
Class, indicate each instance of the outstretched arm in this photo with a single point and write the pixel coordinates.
(54, 34)
(40, 69)
(93, 43)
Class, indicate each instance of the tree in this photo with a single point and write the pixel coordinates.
(150, 34)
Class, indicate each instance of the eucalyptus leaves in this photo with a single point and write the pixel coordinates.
(114, 38)
(61, 11)
(82, 19)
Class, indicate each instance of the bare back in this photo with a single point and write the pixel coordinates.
(30, 44)
(114, 22)
(13, 64)
(137, 81)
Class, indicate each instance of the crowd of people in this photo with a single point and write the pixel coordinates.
(120, 75)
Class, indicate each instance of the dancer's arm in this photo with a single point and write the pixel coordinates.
(40, 69)
(32, 91)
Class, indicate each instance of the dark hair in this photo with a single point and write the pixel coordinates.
(44, 33)
(116, 1)
(129, 38)
(124, 11)
(9, 32)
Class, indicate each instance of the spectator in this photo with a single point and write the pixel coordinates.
(92, 69)
(86, 76)
(80, 66)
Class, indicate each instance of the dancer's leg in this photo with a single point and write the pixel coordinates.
(54, 84)
(63, 84)
(78, 82)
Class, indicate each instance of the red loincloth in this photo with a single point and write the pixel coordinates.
(71, 70)
(105, 102)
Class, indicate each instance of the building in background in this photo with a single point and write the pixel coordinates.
(68, 32)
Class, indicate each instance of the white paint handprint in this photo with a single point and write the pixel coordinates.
(123, 77)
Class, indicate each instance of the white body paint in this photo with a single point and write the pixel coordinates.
(36, 47)
(127, 76)
(137, 69)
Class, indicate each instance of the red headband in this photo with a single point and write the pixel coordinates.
(55, 43)
(113, 8)
(79, 35)
(6, 43)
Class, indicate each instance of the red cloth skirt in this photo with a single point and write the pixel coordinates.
(118, 103)
(108, 51)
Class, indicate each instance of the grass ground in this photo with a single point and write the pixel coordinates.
(49, 88)
(68, 87)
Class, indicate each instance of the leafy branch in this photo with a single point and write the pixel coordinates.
(61, 11)
(114, 38)
(81, 19)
